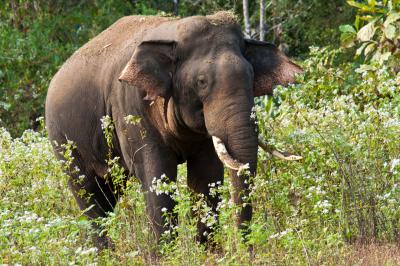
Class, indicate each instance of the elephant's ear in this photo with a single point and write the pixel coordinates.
(271, 67)
(150, 68)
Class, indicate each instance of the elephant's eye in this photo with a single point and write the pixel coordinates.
(201, 81)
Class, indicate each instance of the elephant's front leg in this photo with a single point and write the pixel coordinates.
(205, 169)
(154, 163)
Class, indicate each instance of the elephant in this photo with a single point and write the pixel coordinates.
(192, 82)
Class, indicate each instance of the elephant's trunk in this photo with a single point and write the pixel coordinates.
(242, 139)
(235, 141)
(234, 133)
(242, 144)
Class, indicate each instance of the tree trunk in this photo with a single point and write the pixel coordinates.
(247, 28)
(176, 7)
(262, 20)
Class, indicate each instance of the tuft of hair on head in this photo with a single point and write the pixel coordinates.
(223, 18)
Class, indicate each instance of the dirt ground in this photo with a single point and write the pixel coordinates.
(374, 255)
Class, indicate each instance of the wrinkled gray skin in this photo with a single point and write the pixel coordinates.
(188, 79)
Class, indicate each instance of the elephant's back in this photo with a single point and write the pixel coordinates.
(93, 70)
(125, 34)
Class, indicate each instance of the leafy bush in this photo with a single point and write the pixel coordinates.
(35, 39)
(39, 220)
(376, 31)
(344, 120)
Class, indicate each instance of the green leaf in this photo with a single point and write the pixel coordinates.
(356, 4)
(365, 7)
(347, 28)
(268, 105)
(348, 36)
(367, 32)
(366, 18)
(357, 22)
(347, 39)
(390, 31)
(372, 3)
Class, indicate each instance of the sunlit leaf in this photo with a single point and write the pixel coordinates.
(357, 22)
(390, 31)
(347, 28)
(364, 68)
(384, 57)
(367, 32)
(361, 48)
(370, 47)
(356, 4)
(372, 3)
(365, 7)
(392, 17)
(366, 18)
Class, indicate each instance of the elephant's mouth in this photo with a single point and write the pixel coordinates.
(233, 164)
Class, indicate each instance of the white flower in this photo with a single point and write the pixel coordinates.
(280, 234)
(106, 122)
(243, 169)
(393, 164)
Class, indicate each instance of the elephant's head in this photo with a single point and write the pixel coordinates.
(212, 74)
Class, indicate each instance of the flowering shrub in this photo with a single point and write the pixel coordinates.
(344, 121)
(39, 220)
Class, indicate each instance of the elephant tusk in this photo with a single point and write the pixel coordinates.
(225, 157)
(274, 152)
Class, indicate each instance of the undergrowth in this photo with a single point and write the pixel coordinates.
(342, 118)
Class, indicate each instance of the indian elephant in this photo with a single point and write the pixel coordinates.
(192, 82)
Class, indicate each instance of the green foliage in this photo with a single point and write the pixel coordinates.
(376, 31)
(35, 39)
(344, 121)
(40, 222)
(301, 24)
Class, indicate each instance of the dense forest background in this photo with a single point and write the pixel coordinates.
(339, 205)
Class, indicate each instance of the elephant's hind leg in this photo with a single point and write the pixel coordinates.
(95, 197)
